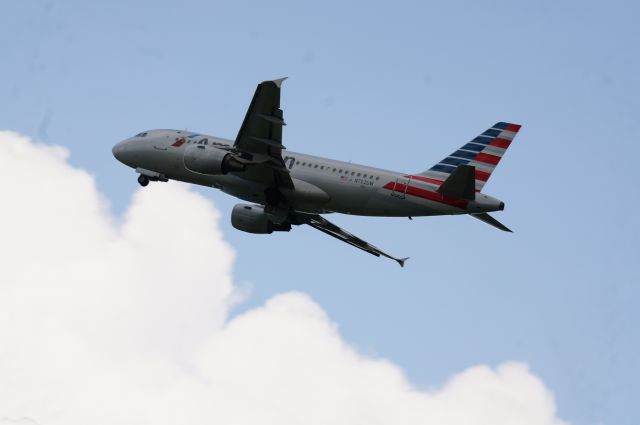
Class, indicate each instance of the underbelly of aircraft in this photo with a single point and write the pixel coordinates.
(372, 202)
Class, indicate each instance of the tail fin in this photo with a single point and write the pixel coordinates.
(484, 153)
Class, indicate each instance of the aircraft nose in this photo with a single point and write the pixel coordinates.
(119, 151)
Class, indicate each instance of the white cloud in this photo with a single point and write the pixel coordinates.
(108, 322)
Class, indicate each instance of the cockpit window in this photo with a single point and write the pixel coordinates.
(144, 133)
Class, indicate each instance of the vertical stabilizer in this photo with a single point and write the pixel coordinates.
(484, 153)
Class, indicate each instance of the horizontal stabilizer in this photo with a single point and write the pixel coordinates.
(461, 183)
(492, 221)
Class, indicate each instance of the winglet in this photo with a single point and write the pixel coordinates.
(279, 81)
(401, 261)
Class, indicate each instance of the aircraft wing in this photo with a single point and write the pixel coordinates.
(260, 137)
(324, 225)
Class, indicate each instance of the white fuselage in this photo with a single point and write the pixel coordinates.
(350, 188)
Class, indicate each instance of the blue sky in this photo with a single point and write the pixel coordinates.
(397, 85)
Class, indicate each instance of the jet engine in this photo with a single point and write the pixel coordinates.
(210, 160)
(253, 219)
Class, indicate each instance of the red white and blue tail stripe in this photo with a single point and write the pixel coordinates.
(484, 153)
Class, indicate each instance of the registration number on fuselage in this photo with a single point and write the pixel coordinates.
(363, 181)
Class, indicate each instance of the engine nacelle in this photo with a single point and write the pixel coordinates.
(253, 219)
(210, 160)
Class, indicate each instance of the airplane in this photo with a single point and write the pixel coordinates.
(287, 188)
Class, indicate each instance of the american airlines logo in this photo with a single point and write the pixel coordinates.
(196, 139)
(179, 142)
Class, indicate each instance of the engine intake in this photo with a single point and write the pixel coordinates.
(253, 219)
(209, 160)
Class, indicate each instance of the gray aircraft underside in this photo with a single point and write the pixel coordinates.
(288, 188)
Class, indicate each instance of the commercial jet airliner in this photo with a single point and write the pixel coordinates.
(287, 188)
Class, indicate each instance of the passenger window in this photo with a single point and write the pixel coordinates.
(322, 167)
(315, 166)
(377, 178)
(340, 171)
(297, 162)
(334, 170)
(353, 172)
(358, 174)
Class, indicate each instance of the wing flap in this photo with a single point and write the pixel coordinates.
(271, 142)
(273, 118)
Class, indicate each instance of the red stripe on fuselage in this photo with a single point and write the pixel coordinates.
(426, 194)
(480, 175)
(425, 179)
